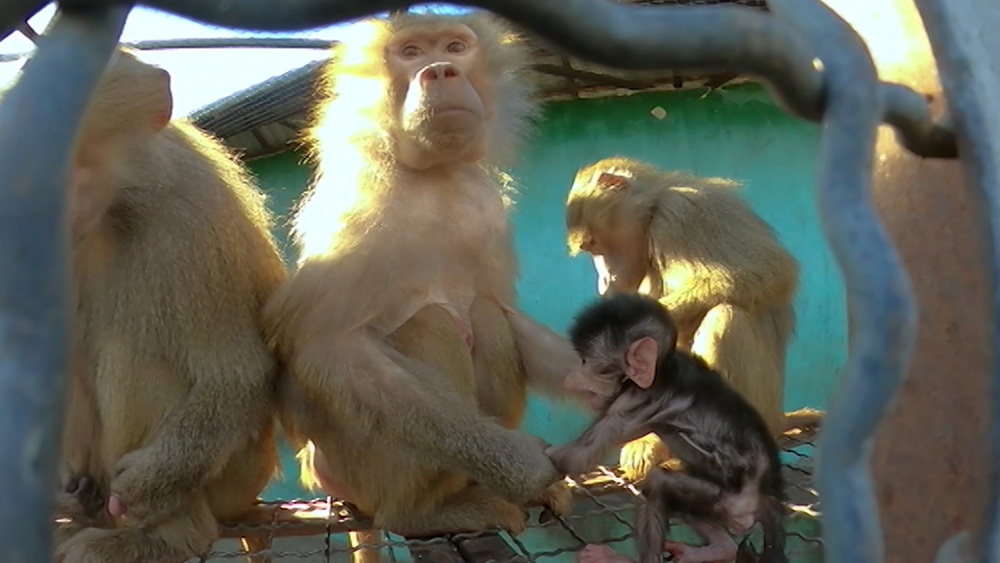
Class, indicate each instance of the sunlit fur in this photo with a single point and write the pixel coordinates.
(589, 206)
(717, 266)
(378, 377)
(357, 106)
(171, 383)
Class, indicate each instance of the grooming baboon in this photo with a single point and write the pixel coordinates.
(692, 243)
(407, 362)
(169, 415)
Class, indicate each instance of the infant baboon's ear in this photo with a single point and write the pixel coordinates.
(640, 362)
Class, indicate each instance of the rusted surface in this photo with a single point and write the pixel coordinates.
(930, 463)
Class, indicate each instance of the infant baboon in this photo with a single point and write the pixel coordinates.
(729, 474)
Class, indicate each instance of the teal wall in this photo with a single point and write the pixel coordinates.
(283, 177)
(736, 133)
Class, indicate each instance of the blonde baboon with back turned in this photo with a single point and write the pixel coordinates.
(169, 422)
(695, 245)
(407, 360)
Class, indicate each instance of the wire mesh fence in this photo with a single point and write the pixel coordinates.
(315, 530)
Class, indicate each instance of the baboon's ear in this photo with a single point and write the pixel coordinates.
(606, 181)
(640, 362)
(165, 104)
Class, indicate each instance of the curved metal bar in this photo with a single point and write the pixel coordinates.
(39, 117)
(880, 299)
(963, 37)
(210, 43)
(620, 35)
(232, 43)
(907, 111)
(683, 38)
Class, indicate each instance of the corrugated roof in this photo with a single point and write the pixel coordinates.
(278, 98)
(263, 118)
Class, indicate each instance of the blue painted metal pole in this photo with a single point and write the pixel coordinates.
(38, 121)
(963, 36)
(14, 12)
(880, 299)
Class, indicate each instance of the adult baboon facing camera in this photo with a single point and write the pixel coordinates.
(407, 361)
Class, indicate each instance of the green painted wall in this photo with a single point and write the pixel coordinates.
(283, 177)
(736, 133)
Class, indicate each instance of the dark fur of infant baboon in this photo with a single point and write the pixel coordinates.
(729, 473)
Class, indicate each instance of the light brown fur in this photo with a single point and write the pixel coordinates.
(381, 380)
(170, 397)
(692, 243)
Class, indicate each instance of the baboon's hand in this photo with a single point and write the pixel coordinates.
(542, 444)
(555, 499)
(145, 484)
(569, 459)
(542, 472)
(80, 499)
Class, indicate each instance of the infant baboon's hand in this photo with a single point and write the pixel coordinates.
(568, 459)
(145, 485)
(542, 444)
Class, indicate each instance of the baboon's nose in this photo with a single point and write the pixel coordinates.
(438, 71)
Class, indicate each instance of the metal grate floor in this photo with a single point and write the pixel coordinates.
(603, 512)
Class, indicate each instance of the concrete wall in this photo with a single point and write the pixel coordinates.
(736, 133)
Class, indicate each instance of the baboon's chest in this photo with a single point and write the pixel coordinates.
(459, 224)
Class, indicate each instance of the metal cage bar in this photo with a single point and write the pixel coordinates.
(880, 301)
(210, 43)
(964, 41)
(38, 122)
(814, 65)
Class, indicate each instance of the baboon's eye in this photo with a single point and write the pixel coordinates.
(456, 47)
(410, 51)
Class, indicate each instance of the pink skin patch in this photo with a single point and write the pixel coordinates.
(680, 552)
(674, 548)
(330, 485)
(594, 553)
(464, 331)
(711, 553)
(115, 506)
